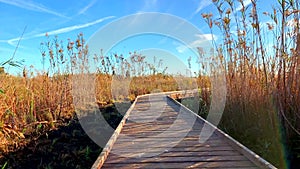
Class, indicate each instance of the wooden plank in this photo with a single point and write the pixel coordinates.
(159, 159)
(195, 153)
(200, 153)
(202, 165)
(168, 146)
(182, 149)
(169, 136)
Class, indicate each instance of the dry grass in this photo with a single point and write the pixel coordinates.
(263, 83)
(31, 101)
(262, 65)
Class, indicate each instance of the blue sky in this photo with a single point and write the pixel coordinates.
(68, 18)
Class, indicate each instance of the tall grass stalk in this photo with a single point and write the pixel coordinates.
(262, 78)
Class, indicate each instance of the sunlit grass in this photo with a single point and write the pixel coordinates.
(262, 109)
(263, 86)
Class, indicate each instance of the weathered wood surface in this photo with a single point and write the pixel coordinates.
(158, 132)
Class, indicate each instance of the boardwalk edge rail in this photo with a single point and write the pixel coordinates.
(259, 161)
(106, 150)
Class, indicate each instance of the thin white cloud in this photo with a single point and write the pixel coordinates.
(84, 9)
(75, 27)
(201, 40)
(181, 49)
(31, 6)
(246, 3)
(205, 37)
(148, 5)
(203, 4)
(59, 31)
(12, 41)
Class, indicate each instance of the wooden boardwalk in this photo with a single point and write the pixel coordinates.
(158, 132)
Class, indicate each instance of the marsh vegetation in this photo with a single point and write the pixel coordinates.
(262, 79)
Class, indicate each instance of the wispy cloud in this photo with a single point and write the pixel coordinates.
(201, 40)
(148, 5)
(31, 6)
(84, 9)
(12, 41)
(246, 3)
(202, 5)
(72, 28)
(59, 31)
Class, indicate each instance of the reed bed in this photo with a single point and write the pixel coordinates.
(261, 63)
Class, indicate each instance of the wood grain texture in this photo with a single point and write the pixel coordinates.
(149, 139)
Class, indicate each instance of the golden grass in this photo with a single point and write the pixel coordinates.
(28, 102)
(263, 86)
(262, 66)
